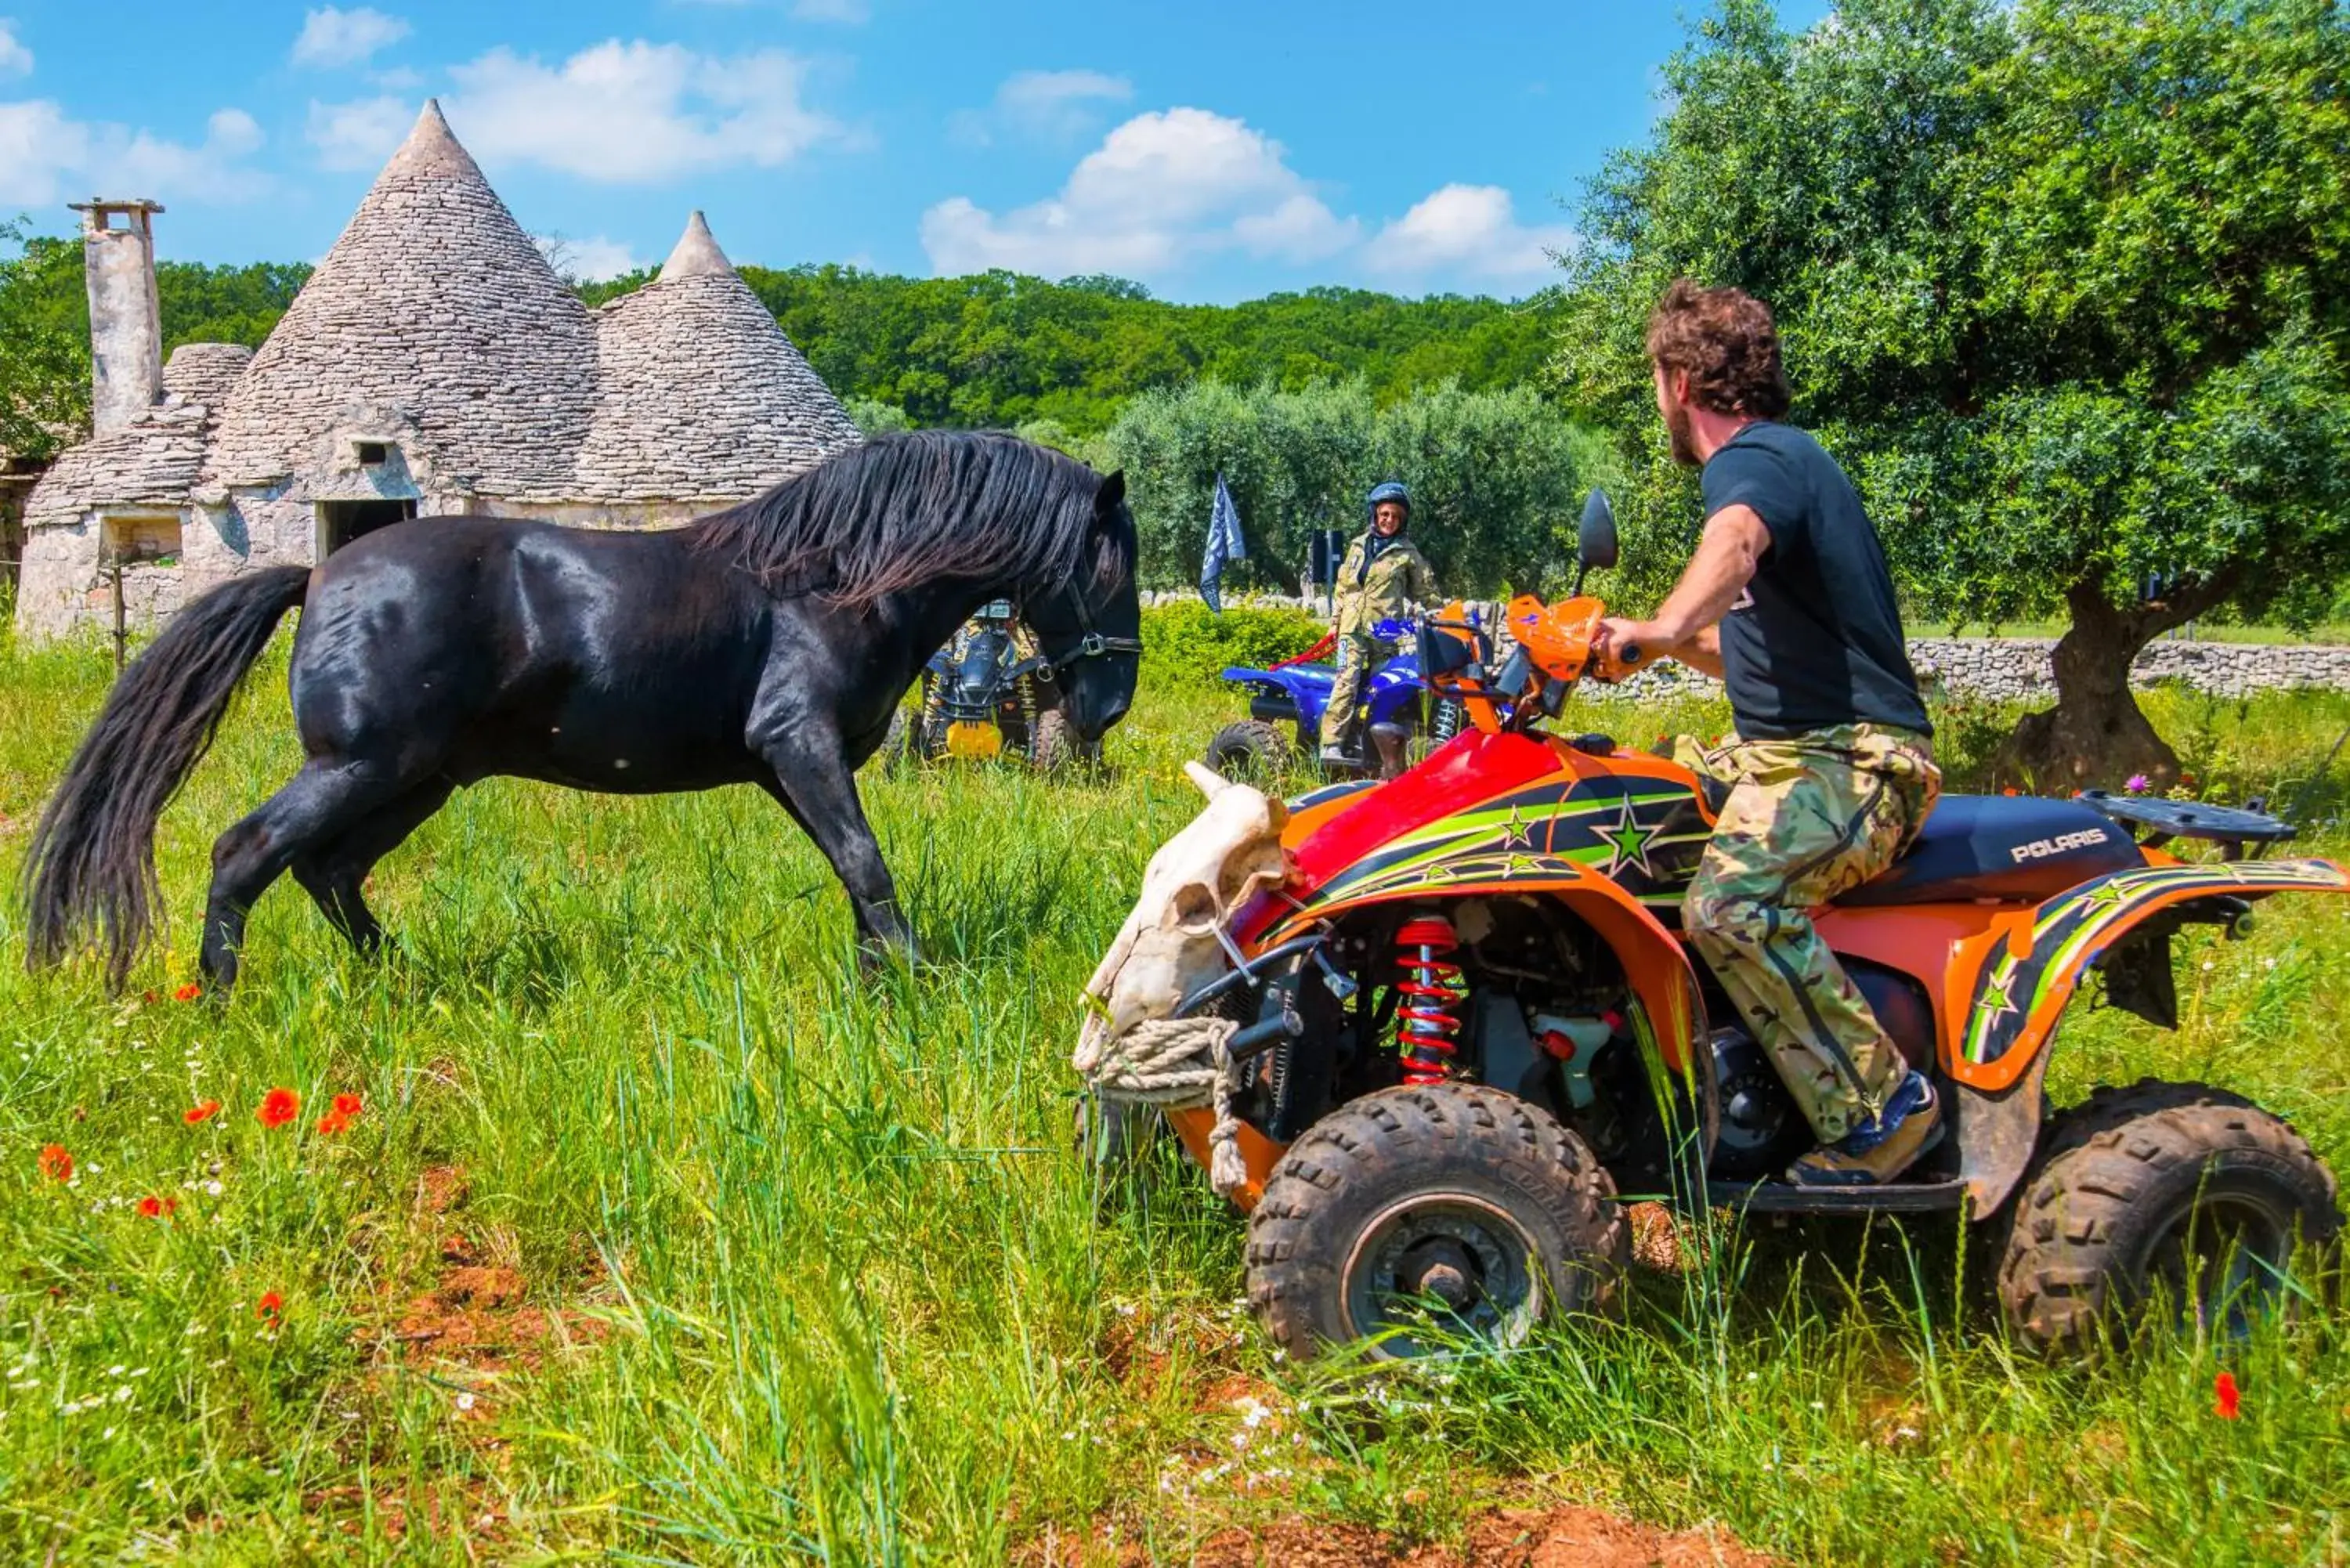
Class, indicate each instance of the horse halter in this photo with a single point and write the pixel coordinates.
(1091, 644)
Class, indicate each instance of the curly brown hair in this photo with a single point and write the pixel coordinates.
(1725, 339)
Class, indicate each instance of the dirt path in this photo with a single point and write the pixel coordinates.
(1507, 1538)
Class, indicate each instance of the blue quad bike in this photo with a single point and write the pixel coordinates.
(1294, 693)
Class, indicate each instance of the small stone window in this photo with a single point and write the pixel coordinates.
(374, 453)
(153, 538)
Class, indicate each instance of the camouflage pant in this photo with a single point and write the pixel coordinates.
(1358, 657)
(1807, 819)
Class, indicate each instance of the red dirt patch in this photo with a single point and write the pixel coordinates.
(1588, 1538)
(440, 1189)
(475, 1315)
(1507, 1538)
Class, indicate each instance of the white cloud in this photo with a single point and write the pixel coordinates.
(590, 260)
(1045, 106)
(1162, 189)
(1466, 229)
(332, 38)
(46, 157)
(636, 111)
(359, 134)
(15, 60)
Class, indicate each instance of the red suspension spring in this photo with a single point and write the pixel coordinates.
(1428, 1018)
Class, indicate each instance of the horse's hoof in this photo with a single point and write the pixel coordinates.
(877, 957)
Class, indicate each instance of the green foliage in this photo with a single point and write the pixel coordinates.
(875, 417)
(1496, 476)
(224, 304)
(2061, 281)
(1185, 646)
(1001, 350)
(45, 329)
(44, 345)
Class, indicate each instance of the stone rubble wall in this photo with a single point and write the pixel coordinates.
(2000, 669)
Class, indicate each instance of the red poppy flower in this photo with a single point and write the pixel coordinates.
(155, 1207)
(266, 1308)
(277, 1108)
(2011, 790)
(2228, 1402)
(347, 1105)
(149, 998)
(188, 993)
(56, 1163)
(334, 1122)
(203, 1111)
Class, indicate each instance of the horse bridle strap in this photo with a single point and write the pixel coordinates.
(1091, 644)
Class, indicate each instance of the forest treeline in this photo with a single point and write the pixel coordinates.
(997, 350)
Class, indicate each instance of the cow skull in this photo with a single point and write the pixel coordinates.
(1169, 946)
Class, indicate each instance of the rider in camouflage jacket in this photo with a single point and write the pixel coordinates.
(1384, 576)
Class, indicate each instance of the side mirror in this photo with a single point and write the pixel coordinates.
(1594, 536)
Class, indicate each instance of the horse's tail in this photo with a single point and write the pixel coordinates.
(90, 876)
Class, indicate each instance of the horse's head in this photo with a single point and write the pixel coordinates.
(1090, 625)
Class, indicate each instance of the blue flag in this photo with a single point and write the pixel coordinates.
(1224, 544)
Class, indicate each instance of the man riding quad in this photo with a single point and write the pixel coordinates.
(1832, 772)
(1382, 577)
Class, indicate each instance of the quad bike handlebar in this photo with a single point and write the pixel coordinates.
(1558, 644)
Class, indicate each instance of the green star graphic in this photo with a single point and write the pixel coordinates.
(2108, 897)
(1516, 833)
(1997, 1000)
(1627, 840)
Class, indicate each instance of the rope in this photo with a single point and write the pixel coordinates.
(1175, 1064)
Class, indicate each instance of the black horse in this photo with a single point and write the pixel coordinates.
(767, 644)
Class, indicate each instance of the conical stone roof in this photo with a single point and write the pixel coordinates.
(702, 396)
(434, 304)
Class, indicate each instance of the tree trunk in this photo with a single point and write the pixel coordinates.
(2097, 736)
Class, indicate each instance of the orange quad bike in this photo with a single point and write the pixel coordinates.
(1468, 1030)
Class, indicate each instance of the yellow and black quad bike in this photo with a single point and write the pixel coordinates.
(987, 694)
(1469, 1030)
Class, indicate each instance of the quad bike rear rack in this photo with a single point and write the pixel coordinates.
(2234, 827)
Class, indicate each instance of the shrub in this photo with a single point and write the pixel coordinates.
(1184, 645)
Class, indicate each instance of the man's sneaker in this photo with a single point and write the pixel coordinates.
(1878, 1150)
(1337, 757)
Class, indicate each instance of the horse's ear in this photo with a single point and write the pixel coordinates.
(1111, 495)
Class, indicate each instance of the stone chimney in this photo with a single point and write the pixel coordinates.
(126, 324)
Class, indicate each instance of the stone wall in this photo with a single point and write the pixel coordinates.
(2016, 669)
(2008, 668)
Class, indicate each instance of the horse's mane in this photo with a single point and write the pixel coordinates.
(908, 508)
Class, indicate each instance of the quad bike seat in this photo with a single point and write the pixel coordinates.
(2001, 847)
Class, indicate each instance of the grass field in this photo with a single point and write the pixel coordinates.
(667, 1235)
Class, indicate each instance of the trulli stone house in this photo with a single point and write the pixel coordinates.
(433, 363)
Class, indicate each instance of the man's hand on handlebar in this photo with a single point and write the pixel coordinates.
(1629, 643)
(1621, 646)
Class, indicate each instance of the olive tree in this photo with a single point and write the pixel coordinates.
(2061, 282)
(1495, 476)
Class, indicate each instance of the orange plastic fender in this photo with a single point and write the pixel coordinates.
(2020, 975)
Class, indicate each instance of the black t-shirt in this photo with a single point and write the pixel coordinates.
(1816, 639)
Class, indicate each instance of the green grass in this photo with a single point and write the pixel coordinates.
(808, 1272)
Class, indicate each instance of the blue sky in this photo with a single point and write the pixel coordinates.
(1212, 151)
